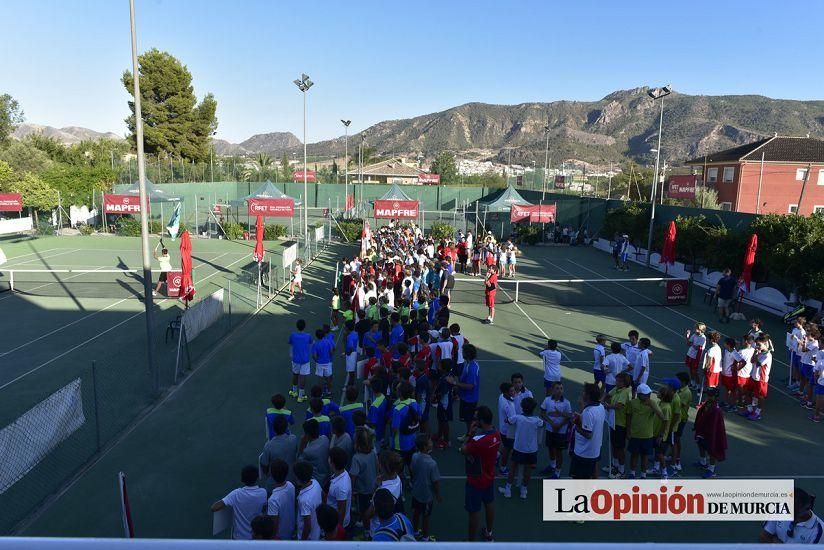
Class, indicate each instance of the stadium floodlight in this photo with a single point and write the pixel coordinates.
(656, 93)
(303, 84)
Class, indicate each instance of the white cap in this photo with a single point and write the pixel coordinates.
(643, 389)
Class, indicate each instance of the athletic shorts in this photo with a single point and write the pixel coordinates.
(729, 382)
(724, 302)
(466, 411)
(662, 447)
(423, 508)
(680, 431)
(527, 459)
(508, 442)
(608, 388)
(300, 368)
(549, 383)
(164, 275)
(618, 437)
(600, 376)
(758, 388)
(818, 389)
(352, 362)
(691, 362)
(712, 378)
(582, 468)
(744, 383)
(643, 447)
(555, 440)
(490, 299)
(796, 360)
(474, 498)
(445, 413)
(323, 369)
(806, 370)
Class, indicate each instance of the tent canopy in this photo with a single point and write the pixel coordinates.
(155, 194)
(503, 201)
(395, 194)
(267, 190)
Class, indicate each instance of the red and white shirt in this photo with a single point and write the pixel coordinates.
(762, 363)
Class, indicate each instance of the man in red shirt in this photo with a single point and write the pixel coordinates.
(490, 288)
(481, 451)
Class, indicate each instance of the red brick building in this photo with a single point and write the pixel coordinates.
(775, 175)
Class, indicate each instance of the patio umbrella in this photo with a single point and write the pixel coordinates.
(749, 260)
(187, 287)
(668, 252)
(258, 255)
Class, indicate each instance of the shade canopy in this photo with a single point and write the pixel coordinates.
(154, 193)
(395, 194)
(503, 201)
(267, 190)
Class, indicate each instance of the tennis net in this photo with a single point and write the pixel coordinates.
(654, 291)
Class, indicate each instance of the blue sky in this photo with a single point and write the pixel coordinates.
(378, 60)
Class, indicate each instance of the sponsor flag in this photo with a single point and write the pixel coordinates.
(668, 251)
(749, 261)
(174, 222)
(187, 287)
(258, 255)
(682, 187)
(121, 204)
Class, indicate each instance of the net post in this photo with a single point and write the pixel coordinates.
(11, 280)
(517, 290)
(96, 405)
(229, 300)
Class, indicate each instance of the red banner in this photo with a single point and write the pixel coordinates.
(407, 210)
(11, 202)
(681, 187)
(272, 208)
(539, 213)
(429, 179)
(297, 176)
(121, 204)
(560, 182)
(350, 202)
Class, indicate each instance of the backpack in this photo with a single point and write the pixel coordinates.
(401, 535)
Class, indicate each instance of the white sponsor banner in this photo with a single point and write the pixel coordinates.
(290, 255)
(27, 440)
(203, 314)
(320, 233)
(15, 225)
(668, 500)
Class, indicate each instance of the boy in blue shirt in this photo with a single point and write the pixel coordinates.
(350, 351)
(396, 335)
(348, 410)
(322, 352)
(278, 409)
(300, 344)
(378, 410)
(324, 422)
(330, 408)
(469, 385)
(405, 422)
(371, 340)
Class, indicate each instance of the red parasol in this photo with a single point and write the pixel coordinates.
(259, 239)
(668, 252)
(187, 287)
(749, 260)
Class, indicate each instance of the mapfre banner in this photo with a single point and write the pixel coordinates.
(538, 213)
(11, 202)
(121, 204)
(396, 209)
(273, 208)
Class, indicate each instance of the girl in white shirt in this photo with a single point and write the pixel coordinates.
(525, 446)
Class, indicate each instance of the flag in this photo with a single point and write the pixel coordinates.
(749, 261)
(187, 286)
(174, 222)
(258, 255)
(668, 252)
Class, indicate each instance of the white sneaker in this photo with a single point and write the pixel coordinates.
(506, 491)
(154, 293)
(523, 492)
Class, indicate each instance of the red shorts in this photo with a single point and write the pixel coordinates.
(712, 378)
(691, 362)
(744, 383)
(490, 299)
(758, 388)
(729, 382)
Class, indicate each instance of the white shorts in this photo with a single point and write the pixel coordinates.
(298, 280)
(300, 368)
(352, 362)
(323, 369)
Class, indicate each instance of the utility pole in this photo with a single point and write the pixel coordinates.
(346, 124)
(546, 161)
(609, 184)
(303, 84)
(656, 93)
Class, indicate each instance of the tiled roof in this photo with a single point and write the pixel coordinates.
(774, 149)
(391, 167)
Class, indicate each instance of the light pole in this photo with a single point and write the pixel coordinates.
(303, 84)
(656, 93)
(346, 124)
(546, 162)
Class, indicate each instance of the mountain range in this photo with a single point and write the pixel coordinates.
(68, 135)
(622, 125)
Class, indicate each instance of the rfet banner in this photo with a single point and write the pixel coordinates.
(543, 213)
(429, 179)
(11, 202)
(121, 204)
(272, 208)
(560, 182)
(396, 209)
(297, 176)
(681, 187)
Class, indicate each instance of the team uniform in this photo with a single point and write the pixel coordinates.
(552, 367)
(729, 378)
(615, 363)
(301, 344)
(696, 343)
(322, 351)
(598, 371)
(712, 366)
(556, 436)
(760, 374)
(641, 364)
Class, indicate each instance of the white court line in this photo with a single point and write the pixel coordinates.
(531, 320)
(775, 359)
(96, 336)
(34, 253)
(12, 294)
(25, 262)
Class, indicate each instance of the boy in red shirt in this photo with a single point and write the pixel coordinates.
(490, 289)
(481, 451)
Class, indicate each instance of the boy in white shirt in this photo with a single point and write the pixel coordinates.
(246, 503)
(695, 347)
(552, 365)
(525, 448)
(339, 495)
(521, 391)
(310, 496)
(795, 339)
(598, 354)
(729, 377)
(630, 347)
(282, 502)
(818, 378)
(506, 410)
(809, 350)
(615, 363)
(759, 379)
(712, 362)
(640, 369)
(743, 371)
(556, 412)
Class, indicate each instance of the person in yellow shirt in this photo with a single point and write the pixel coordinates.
(640, 428)
(615, 402)
(662, 427)
(685, 398)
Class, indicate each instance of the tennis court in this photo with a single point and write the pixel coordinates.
(189, 451)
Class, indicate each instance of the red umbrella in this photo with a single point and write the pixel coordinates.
(187, 287)
(259, 239)
(749, 260)
(668, 252)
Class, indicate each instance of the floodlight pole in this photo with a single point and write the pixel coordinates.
(303, 84)
(658, 93)
(144, 207)
(546, 162)
(346, 124)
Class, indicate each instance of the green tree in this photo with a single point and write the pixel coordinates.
(7, 175)
(444, 164)
(77, 183)
(23, 157)
(286, 168)
(10, 116)
(36, 194)
(173, 121)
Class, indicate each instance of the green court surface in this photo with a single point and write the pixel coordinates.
(189, 450)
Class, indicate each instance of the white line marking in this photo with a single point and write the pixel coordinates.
(34, 253)
(48, 284)
(531, 320)
(71, 251)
